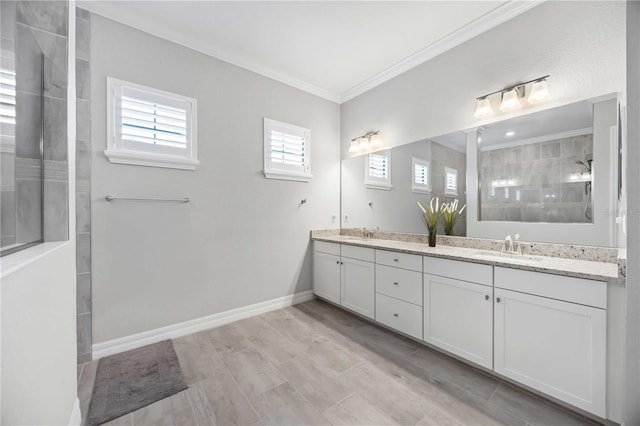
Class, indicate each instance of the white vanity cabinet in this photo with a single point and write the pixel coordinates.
(344, 275)
(399, 291)
(458, 314)
(546, 336)
(326, 271)
(358, 293)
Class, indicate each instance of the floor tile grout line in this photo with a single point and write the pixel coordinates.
(339, 402)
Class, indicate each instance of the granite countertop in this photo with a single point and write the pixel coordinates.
(593, 270)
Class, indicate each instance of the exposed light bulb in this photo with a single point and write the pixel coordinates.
(510, 101)
(483, 108)
(539, 92)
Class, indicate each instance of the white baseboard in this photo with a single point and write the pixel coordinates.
(75, 419)
(133, 341)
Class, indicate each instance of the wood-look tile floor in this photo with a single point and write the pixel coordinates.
(314, 363)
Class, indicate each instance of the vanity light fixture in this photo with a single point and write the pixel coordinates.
(510, 101)
(510, 97)
(366, 141)
(483, 108)
(539, 92)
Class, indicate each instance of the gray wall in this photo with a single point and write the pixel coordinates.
(396, 209)
(242, 239)
(83, 184)
(581, 44)
(632, 364)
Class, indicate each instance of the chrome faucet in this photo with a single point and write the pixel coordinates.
(366, 233)
(511, 246)
(507, 245)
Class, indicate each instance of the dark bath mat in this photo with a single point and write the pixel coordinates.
(131, 380)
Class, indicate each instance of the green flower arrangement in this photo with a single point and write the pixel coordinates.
(430, 216)
(451, 215)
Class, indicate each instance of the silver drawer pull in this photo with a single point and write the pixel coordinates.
(395, 260)
(498, 300)
(395, 283)
(486, 297)
(395, 315)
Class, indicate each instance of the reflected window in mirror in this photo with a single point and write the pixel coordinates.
(451, 182)
(378, 170)
(421, 182)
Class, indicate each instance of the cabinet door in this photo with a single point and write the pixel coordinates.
(326, 276)
(553, 346)
(458, 317)
(358, 291)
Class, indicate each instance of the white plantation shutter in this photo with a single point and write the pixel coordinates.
(153, 123)
(151, 127)
(451, 181)
(378, 170)
(287, 150)
(420, 175)
(7, 96)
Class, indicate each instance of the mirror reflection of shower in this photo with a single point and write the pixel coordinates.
(588, 214)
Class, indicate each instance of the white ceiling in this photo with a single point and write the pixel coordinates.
(334, 49)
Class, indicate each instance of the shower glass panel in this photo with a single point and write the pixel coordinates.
(22, 66)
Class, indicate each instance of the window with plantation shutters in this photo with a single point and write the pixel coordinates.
(420, 175)
(150, 127)
(7, 96)
(450, 181)
(378, 170)
(287, 151)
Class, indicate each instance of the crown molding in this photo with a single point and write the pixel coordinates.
(112, 11)
(486, 22)
(501, 14)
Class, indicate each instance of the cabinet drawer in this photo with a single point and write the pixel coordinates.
(399, 283)
(399, 260)
(324, 247)
(402, 316)
(359, 253)
(569, 289)
(465, 271)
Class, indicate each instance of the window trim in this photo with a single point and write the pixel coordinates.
(415, 187)
(274, 172)
(373, 183)
(117, 154)
(447, 191)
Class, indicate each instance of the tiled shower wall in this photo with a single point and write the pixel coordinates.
(539, 182)
(39, 27)
(83, 184)
(441, 157)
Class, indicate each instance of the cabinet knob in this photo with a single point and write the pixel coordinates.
(395, 283)
(342, 263)
(395, 315)
(498, 300)
(486, 297)
(337, 262)
(395, 260)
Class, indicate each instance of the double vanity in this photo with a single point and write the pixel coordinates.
(540, 321)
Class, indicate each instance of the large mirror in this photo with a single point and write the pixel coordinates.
(550, 176)
(381, 190)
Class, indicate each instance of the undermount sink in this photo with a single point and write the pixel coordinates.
(504, 256)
